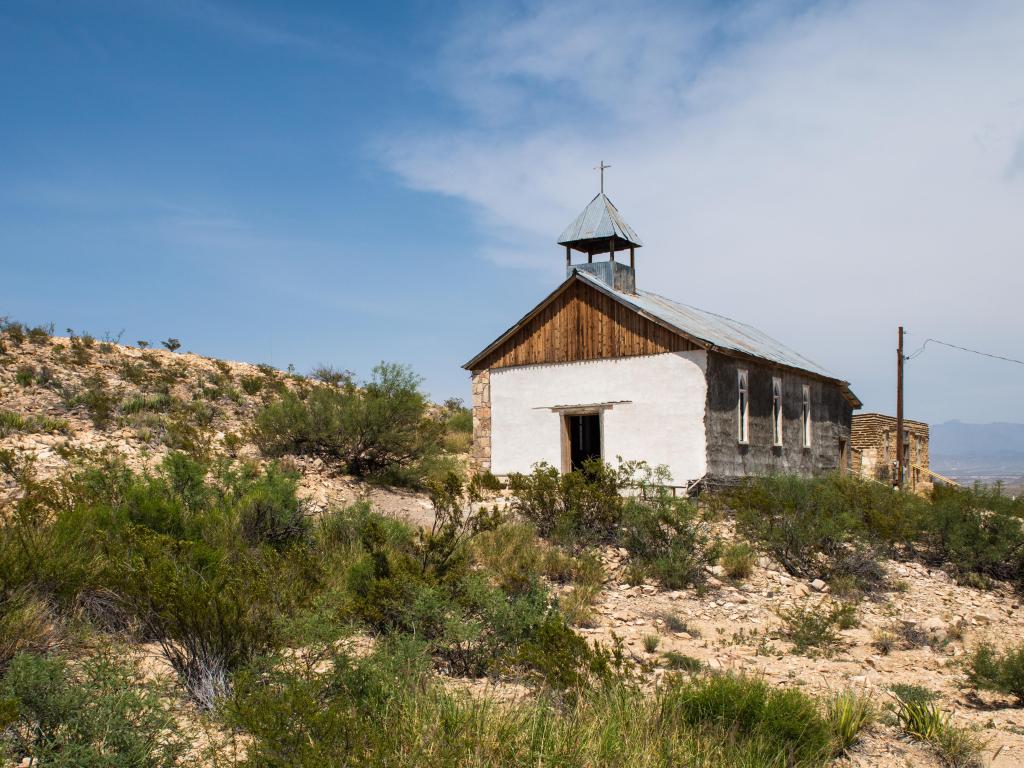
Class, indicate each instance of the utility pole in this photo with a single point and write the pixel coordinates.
(899, 412)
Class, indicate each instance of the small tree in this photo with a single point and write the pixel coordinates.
(172, 344)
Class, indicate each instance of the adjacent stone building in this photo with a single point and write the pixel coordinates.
(601, 368)
(873, 444)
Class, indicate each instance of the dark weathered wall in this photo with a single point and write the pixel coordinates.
(727, 458)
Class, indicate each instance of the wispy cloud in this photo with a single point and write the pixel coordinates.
(825, 170)
(293, 31)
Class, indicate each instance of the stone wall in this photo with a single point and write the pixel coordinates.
(481, 454)
(873, 439)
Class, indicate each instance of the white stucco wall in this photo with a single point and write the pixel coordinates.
(662, 422)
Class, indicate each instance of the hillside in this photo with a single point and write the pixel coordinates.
(335, 596)
(74, 394)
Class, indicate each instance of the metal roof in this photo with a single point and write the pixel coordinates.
(706, 328)
(600, 220)
(718, 330)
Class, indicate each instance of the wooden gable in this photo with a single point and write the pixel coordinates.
(580, 323)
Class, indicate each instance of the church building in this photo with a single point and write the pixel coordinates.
(602, 368)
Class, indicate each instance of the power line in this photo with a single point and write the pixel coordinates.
(962, 349)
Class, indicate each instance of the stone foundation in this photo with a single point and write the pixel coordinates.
(481, 454)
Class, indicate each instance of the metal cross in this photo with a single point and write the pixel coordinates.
(601, 168)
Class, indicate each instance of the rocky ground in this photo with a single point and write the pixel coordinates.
(730, 626)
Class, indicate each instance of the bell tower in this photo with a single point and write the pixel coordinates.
(599, 229)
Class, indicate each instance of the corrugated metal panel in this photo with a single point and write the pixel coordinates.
(600, 219)
(720, 331)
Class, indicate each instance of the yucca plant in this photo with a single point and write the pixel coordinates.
(847, 714)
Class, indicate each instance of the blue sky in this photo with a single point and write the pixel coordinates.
(342, 183)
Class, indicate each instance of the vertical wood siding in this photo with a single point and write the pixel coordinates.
(583, 324)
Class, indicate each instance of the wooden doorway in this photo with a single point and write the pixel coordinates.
(582, 439)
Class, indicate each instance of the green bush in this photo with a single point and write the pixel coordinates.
(26, 624)
(204, 566)
(667, 539)
(97, 398)
(738, 560)
(836, 527)
(270, 512)
(977, 531)
(93, 714)
(374, 429)
(577, 509)
(993, 671)
(784, 720)
(812, 628)
(25, 376)
(383, 710)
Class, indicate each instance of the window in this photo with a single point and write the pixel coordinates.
(805, 416)
(776, 410)
(742, 406)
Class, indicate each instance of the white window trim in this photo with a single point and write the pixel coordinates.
(742, 407)
(805, 416)
(776, 411)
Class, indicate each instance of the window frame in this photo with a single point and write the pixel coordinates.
(805, 415)
(776, 411)
(742, 406)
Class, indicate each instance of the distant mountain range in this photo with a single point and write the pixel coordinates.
(985, 452)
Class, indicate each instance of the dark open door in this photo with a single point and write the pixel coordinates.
(584, 435)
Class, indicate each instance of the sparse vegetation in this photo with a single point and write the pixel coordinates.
(991, 670)
(93, 713)
(954, 745)
(380, 429)
(848, 713)
(172, 344)
(812, 628)
(738, 560)
(11, 422)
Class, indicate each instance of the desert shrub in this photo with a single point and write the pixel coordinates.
(209, 615)
(26, 624)
(171, 344)
(681, 662)
(135, 373)
(380, 426)
(802, 523)
(1003, 672)
(97, 398)
(13, 330)
(270, 512)
(788, 720)
(11, 422)
(738, 560)
(977, 531)
(651, 643)
(667, 538)
(25, 375)
(512, 554)
(577, 509)
(332, 376)
(204, 566)
(94, 714)
(913, 694)
(848, 713)
(158, 402)
(811, 628)
(251, 385)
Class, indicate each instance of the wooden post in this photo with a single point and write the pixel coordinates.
(568, 260)
(632, 261)
(611, 248)
(899, 411)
